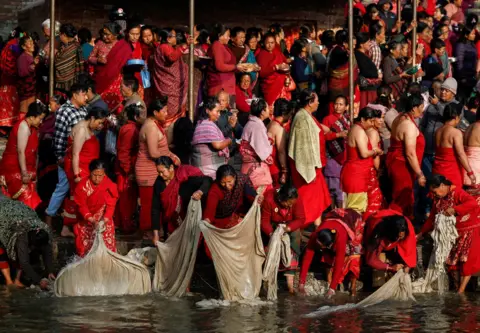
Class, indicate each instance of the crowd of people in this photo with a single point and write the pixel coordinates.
(115, 142)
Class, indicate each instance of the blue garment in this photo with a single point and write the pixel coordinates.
(86, 50)
(252, 60)
(302, 72)
(59, 194)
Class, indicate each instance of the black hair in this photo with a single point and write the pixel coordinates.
(146, 27)
(435, 180)
(68, 30)
(287, 192)
(362, 38)
(218, 30)
(267, 36)
(96, 165)
(35, 36)
(241, 75)
(374, 29)
(96, 113)
(306, 97)
(464, 35)
(87, 81)
(182, 139)
(421, 27)
(451, 112)
(305, 31)
(328, 38)
(203, 36)
(281, 107)
(157, 105)
(131, 82)
(133, 111)
(326, 237)
(390, 227)
(164, 34)
(341, 37)
(413, 101)
(166, 161)
(297, 47)
(342, 97)
(234, 32)
(366, 113)
(132, 25)
(181, 37)
(16, 33)
(442, 11)
(78, 87)
(471, 20)
(208, 105)
(35, 109)
(392, 45)
(438, 30)
(436, 43)
(59, 99)
(84, 36)
(257, 107)
(113, 27)
(275, 28)
(383, 95)
(24, 40)
(38, 238)
(225, 171)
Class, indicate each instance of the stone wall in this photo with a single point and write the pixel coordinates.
(92, 13)
(9, 10)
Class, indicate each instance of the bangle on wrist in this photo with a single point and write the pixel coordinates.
(470, 173)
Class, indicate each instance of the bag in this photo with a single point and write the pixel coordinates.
(145, 78)
(111, 142)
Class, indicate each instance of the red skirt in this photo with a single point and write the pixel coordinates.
(146, 195)
(402, 178)
(85, 236)
(126, 204)
(465, 254)
(366, 97)
(316, 197)
(9, 105)
(13, 187)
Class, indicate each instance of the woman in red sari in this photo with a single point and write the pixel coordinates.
(96, 197)
(307, 157)
(82, 148)
(172, 191)
(152, 144)
(340, 239)
(127, 150)
(149, 42)
(450, 158)
(18, 167)
(229, 198)
(405, 155)
(109, 77)
(102, 48)
(170, 75)
(389, 232)
(273, 73)
(283, 207)
(452, 201)
(356, 170)
(9, 101)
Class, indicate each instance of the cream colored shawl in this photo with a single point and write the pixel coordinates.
(304, 145)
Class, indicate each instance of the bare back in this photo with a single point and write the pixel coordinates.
(403, 127)
(472, 135)
(445, 135)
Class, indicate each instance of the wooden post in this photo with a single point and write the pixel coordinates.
(351, 84)
(414, 36)
(191, 102)
(51, 77)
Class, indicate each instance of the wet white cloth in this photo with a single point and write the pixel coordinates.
(444, 237)
(278, 250)
(146, 255)
(238, 256)
(176, 257)
(103, 273)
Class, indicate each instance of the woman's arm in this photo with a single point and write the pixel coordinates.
(307, 258)
(78, 140)
(81, 201)
(361, 141)
(93, 58)
(388, 69)
(171, 53)
(22, 140)
(281, 144)
(212, 202)
(372, 259)
(152, 136)
(218, 57)
(220, 145)
(459, 149)
(374, 140)
(410, 141)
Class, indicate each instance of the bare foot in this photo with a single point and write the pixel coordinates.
(66, 232)
(353, 293)
(291, 291)
(18, 284)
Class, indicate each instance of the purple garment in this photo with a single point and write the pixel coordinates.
(48, 127)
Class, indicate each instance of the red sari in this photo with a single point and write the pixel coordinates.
(315, 195)
(97, 201)
(356, 171)
(402, 175)
(109, 77)
(10, 173)
(127, 151)
(9, 101)
(347, 247)
(446, 163)
(272, 82)
(405, 248)
(90, 151)
(465, 254)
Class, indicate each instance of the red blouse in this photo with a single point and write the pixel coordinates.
(273, 214)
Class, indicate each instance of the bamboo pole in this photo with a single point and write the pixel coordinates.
(414, 36)
(350, 59)
(191, 102)
(51, 77)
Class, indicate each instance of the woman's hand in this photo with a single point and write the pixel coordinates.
(342, 134)
(26, 178)
(405, 75)
(102, 60)
(397, 267)
(450, 211)
(155, 238)
(260, 199)
(91, 219)
(232, 120)
(419, 237)
(51, 276)
(301, 289)
(242, 67)
(78, 180)
(44, 284)
(190, 40)
(422, 180)
(176, 160)
(283, 178)
(330, 293)
(197, 195)
(473, 179)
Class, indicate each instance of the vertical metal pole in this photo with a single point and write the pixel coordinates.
(399, 11)
(51, 78)
(191, 102)
(414, 36)
(351, 84)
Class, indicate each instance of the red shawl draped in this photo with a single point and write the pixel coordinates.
(9, 101)
(271, 81)
(116, 59)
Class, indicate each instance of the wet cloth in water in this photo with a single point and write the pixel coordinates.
(103, 273)
(238, 256)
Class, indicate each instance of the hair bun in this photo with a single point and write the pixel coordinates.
(333, 231)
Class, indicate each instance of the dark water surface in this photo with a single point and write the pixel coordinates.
(32, 311)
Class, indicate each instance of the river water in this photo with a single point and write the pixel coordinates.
(33, 311)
